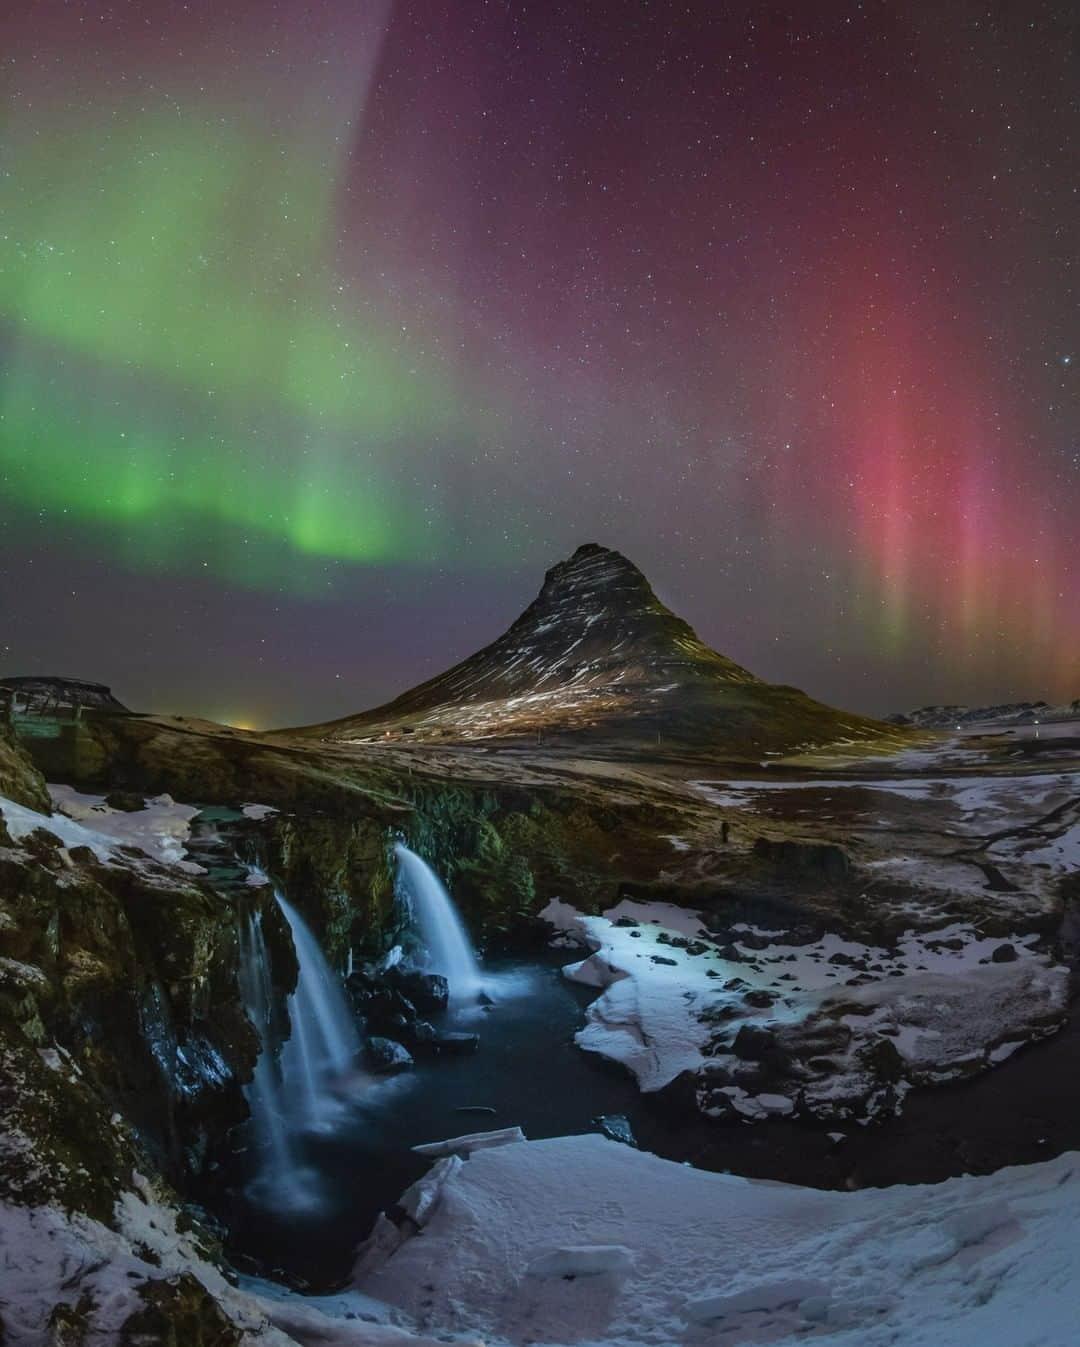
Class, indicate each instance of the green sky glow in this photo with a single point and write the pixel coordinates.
(186, 373)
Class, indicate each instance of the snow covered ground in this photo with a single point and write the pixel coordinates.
(675, 1000)
(86, 820)
(579, 1240)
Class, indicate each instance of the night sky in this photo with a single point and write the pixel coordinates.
(325, 328)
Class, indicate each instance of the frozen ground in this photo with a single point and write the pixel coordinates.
(838, 1018)
(580, 1240)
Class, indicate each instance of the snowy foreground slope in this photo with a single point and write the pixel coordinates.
(582, 1240)
(579, 1240)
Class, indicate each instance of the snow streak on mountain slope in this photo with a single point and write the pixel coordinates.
(596, 656)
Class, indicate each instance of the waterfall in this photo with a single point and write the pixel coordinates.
(324, 1041)
(265, 1091)
(298, 1089)
(441, 930)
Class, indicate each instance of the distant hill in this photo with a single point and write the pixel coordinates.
(1016, 713)
(598, 659)
(40, 694)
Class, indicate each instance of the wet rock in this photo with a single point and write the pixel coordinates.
(659, 958)
(751, 940)
(1004, 954)
(616, 1126)
(626, 921)
(426, 991)
(386, 1056)
(760, 999)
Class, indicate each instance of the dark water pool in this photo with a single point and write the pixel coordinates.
(527, 1070)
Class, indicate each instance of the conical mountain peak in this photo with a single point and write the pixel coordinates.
(596, 656)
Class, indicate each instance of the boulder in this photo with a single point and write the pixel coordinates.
(427, 991)
(127, 801)
(756, 1044)
(387, 1057)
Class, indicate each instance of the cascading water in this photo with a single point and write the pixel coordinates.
(265, 1091)
(441, 930)
(323, 1044)
(299, 1090)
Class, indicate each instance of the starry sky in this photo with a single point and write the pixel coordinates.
(327, 327)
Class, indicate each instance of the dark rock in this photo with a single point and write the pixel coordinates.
(805, 860)
(177, 1311)
(679, 1098)
(626, 921)
(751, 940)
(386, 1056)
(426, 991)
(1004, 954)
(659, 958)
(755, 1044)
(127, 801)
(760, 999)
(883, 1058)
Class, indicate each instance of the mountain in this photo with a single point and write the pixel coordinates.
(597, 659)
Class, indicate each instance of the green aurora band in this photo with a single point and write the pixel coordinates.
(186, 375)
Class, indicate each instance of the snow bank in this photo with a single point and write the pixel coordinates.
(160, 829)
(581, 1240)
(87, 821)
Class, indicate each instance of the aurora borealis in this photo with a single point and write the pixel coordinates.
(325, 328)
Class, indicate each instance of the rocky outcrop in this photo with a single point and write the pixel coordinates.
(19, 778)
(49, 694)
(129, 970)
